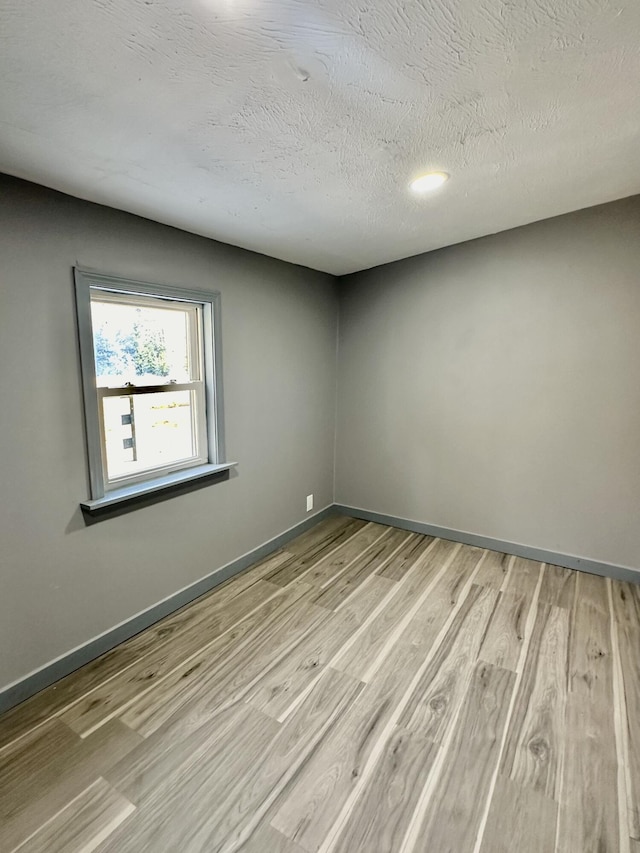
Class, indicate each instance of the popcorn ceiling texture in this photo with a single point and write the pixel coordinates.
(293, 127)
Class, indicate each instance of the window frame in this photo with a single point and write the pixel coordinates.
(104, 492)
(195, 385)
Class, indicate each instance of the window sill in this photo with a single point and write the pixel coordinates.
(121, 498)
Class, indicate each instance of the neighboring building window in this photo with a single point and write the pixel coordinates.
(150, 371)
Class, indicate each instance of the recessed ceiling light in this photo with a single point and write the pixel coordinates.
(428, 182)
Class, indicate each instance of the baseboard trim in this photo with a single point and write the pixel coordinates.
(607, 570)
(31, 684)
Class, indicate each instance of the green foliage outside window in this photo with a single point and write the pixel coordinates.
(142, 352)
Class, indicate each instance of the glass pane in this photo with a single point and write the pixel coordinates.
(145, 431)
(143, 343)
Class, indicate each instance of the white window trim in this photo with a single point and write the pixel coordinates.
(101, 496)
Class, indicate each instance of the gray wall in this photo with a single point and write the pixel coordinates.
(493, 387)
(62, 583)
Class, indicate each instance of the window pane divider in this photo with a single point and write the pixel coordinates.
(129, 390)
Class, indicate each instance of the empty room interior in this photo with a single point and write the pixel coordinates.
(320, 339)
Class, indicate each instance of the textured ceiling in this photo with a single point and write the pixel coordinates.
(293, 127)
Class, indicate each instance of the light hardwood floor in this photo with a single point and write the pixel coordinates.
(364, 690)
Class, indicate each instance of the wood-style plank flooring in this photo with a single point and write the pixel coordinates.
(364, 690)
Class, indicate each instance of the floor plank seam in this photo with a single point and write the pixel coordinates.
(487, 626)
(327, 556)
(343, 649)
(242, 693)
(382, 566)
(106, 831)
(384, 652)
(619, 718)
(359, 556)
(377, 751)
(118, 674)
(288, 776)
(393, 592)
(414, 826)
(507, 578)
(117, 711)
(353, 638)
(524, 651)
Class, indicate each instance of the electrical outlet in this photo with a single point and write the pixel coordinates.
(309, 503)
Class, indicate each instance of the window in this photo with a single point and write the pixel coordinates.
(150, 358)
